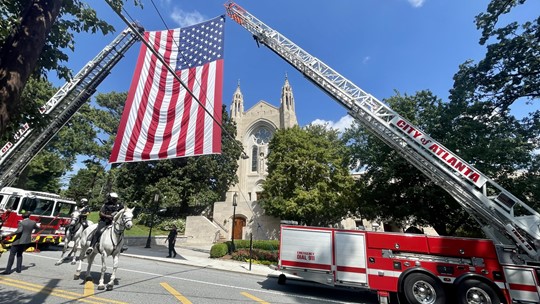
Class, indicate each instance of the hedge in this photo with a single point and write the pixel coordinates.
(266, 250)
(218, 250)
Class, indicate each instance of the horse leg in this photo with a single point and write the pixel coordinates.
(81, 258)
(101, 284)
(76, 244)
(110, 285)
(74, 251)
(63, 253)
(88, 276)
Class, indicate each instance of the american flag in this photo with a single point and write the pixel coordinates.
(161, 119)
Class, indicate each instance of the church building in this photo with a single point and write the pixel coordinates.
(255, 128)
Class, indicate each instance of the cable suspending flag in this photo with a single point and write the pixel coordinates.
(161, 119)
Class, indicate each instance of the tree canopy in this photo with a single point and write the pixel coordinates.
(308, 177)
(33, 37)
(510, 70)
(392, 189)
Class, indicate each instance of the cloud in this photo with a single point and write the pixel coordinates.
(417, 3)
(184, 18)
(343, 123)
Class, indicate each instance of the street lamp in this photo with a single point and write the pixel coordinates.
(233, 217)
(149, 239)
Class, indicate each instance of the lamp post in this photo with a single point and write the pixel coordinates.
(149, 239)
(233, 217)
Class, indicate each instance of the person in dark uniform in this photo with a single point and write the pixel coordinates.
(21, 243)
(106, 215)
(171, 238)
(84, 209)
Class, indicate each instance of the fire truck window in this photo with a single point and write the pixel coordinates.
(63, 209)
(44, 207)
(28, 204)
(13, 203)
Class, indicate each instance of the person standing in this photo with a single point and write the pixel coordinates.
(171, 238)
(22, 241)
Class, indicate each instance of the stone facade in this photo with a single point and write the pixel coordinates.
(255, 128)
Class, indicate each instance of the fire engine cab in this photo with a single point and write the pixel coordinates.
(50, 211)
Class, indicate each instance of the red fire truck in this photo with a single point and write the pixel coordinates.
(411, 268)
(50, 211)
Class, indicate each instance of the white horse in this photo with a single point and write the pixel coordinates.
(73, 234)
(110, 244)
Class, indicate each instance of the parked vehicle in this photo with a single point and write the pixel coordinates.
(50, 211)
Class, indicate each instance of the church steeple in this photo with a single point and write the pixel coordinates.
(286, 110)
(237, 106)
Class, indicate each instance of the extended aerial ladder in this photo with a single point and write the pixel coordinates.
(510, 223)
(27, 142)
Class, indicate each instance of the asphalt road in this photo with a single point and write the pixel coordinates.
(147, 281)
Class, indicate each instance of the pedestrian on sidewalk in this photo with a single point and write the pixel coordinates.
(22, 240)
(171, 238)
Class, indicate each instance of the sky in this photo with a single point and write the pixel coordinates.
(382, 46)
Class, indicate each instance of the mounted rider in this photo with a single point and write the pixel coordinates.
(106, 215)
(84, 211)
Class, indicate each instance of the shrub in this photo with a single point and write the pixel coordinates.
(161, 223)
(256, 254)
(218, 250)
(270, 245)
(167, 225)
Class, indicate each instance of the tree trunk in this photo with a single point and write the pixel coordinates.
(20, 53)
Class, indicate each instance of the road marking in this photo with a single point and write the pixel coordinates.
(254, 298)
(175, 293)
(88, 288)
(161, 276)
(56, 292)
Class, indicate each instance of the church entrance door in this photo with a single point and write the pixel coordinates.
(239, 224)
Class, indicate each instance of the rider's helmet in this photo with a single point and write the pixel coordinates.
(112, 197)
(83, 202)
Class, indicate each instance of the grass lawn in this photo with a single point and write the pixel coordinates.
(136, 230)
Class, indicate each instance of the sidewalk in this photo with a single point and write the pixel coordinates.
(199, 256)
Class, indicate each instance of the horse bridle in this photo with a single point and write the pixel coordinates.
(119, 231)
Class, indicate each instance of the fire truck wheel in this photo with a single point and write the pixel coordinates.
(281, 279)
(423, 289)
(476, 292)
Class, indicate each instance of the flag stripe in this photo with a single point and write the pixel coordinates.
(200, 132)
(218, 88)
(129, 101)
(149, 91)
(155, 122)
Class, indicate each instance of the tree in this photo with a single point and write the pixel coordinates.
(102, 120)
(392, 189)
(33, 35)
(308, 177)
(45, 170)
(510, 70)
(87, 183)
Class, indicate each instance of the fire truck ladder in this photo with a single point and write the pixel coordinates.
(61, 107)
(504, 218)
